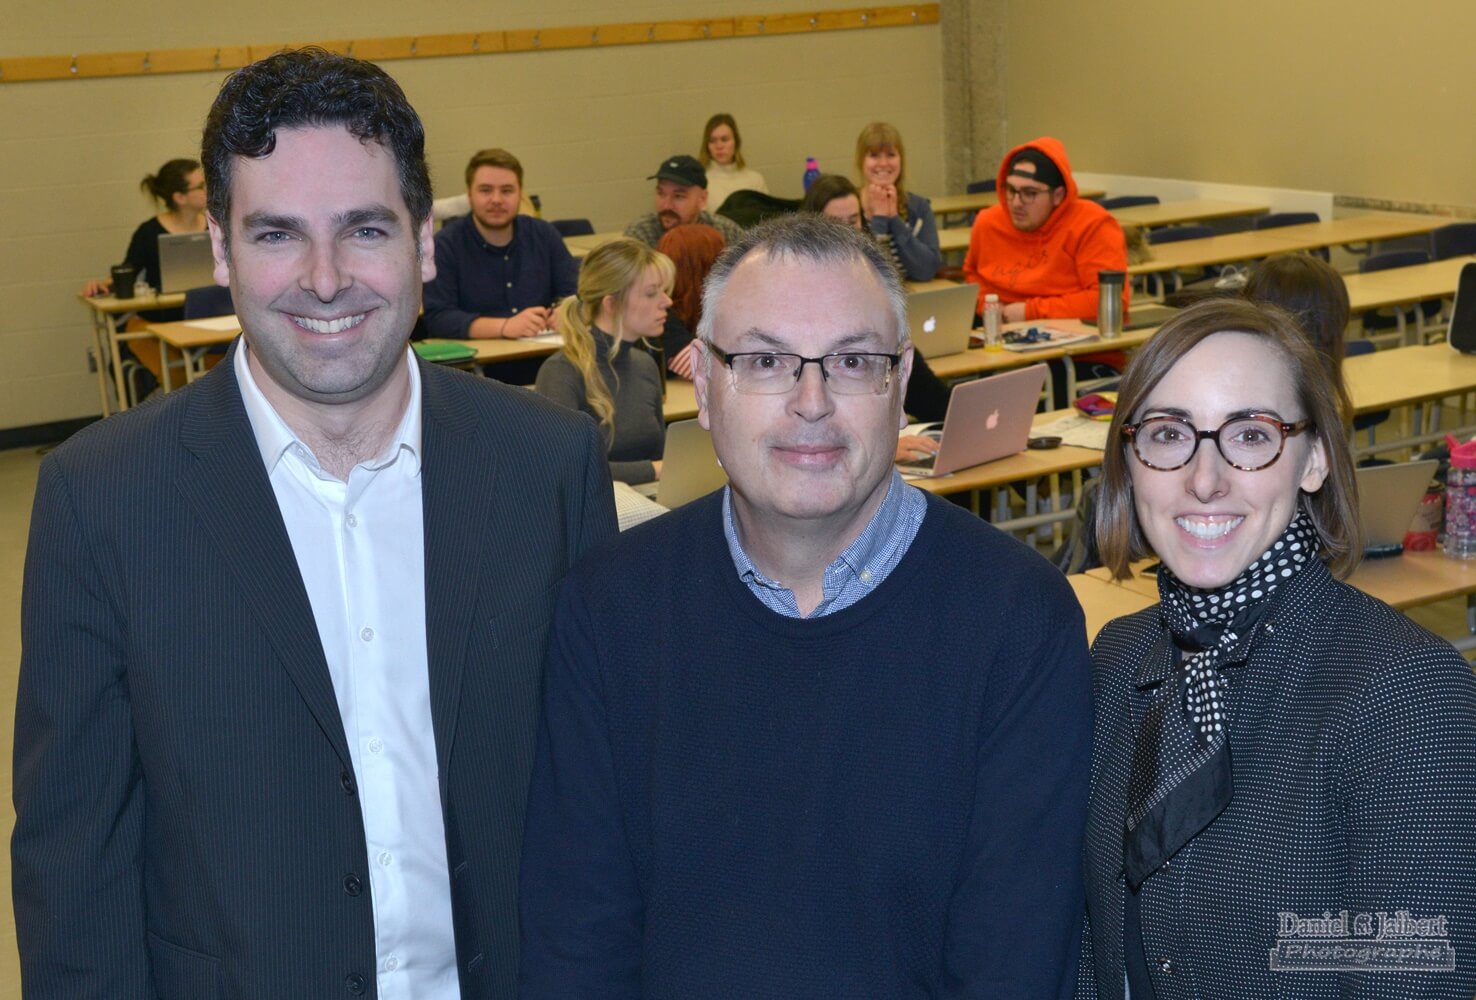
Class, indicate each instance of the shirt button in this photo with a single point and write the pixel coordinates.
(355, 984)
(376, 745)
(385, 858)
(353, 522)
(367, 634)
(347, 781)
(509, 284)
(866, 576)
(391, 964)
(352, 885)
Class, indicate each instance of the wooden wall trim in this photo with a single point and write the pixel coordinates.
(91, 65)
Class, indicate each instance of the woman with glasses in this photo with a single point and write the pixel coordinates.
(902, 220)
(623, 295)
(1282, 764)
(179, 188)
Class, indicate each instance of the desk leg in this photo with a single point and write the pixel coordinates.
(115, 347)
(101, 338)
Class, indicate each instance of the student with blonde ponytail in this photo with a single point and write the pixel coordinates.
(624, 292)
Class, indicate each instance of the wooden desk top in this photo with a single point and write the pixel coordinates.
(581, 245)
(1402, 582)
(186, 336)
(1223, 249)
(1170, 213)
(976, 359)
(1355, 229)
(113, 305)
(681, 400)
(1403, 376)
(1401, 285)
(1102, 600)
(954, 240)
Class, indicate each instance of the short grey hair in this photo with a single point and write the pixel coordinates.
(810, 237)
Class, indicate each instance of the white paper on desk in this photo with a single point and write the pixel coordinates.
(220, 324)
(1059, 338)
(1078, 431)
(548, 337)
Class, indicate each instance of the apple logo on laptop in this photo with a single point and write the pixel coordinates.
(993, 420)
(930, 324)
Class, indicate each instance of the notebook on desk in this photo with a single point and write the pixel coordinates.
(986, 419)
(185, 262)
(939, 319)
(1388, 496)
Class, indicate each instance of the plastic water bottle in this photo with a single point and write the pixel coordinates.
(993, 339)
(1460, 500)
(812, 171)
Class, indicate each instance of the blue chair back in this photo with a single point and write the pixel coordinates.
(1454, 240)
(1173, 234)
(573, 227)
(1352, 349)
(1275, 220)
(1129, 201)
(979, 187)
(208, 301)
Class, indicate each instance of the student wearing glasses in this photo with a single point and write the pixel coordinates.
(1282, 765)
(1040, 248)
(747, 782)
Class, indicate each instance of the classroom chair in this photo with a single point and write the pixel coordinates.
(1155, 283)
(1129, 201)
(573, 227)
(1275, 220)
(207, 301)
(1454, 240)
(1368, 421)
(979, 187)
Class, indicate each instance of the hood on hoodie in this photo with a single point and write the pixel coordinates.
(1056, 151)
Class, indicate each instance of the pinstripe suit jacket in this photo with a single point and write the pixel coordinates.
(1353, 744)
(187, 814)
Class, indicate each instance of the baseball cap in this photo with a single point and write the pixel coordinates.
(681, 169)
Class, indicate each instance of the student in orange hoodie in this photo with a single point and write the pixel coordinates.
(1041, 247)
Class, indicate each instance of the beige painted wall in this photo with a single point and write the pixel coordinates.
(1358, 97)
(589, 126)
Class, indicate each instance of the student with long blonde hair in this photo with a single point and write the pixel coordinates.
(624, 292)
(901, 219)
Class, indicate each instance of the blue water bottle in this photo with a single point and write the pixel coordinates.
(812, 171)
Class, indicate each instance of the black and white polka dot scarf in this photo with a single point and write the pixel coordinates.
(1180, 776)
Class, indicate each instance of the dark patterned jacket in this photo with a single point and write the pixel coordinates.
(1353, 743)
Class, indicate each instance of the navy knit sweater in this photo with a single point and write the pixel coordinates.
(884, 802)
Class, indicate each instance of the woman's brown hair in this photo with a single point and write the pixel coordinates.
(1314, 294)
(1333, 508)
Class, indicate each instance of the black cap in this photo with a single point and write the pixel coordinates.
(681, 169)
(1045, 170)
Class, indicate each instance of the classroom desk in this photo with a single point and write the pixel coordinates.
(1403, 286)
(1409, 376)
(1402, 582)
(1102, 600)
(1230, 248)
(579, 246)
(106, 311)
(1172, 213)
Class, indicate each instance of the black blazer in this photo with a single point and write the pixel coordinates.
(1353, 745)
(188, 825)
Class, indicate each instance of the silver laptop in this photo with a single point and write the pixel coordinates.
(689, 466)
(986, 419)
(1388, 496)
(185, 262)
(939, 319)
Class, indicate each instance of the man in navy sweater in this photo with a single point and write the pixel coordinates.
(817, 734)
(498, 273)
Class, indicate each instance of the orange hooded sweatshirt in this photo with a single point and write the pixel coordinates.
(1053, 270)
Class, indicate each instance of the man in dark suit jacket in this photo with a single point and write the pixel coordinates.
(222, 790)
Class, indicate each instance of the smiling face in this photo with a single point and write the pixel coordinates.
(678, 204)
(721, 145)
(809, 457)
(323, 265)
(881, 166)
(646, 302)
(1208, 521)
(494, 194)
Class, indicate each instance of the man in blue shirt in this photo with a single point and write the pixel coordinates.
(818, 733)
(498, 273)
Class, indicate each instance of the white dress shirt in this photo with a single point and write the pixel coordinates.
(360, 548)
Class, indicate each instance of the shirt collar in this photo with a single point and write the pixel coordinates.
(870, 548)
(274, 437)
